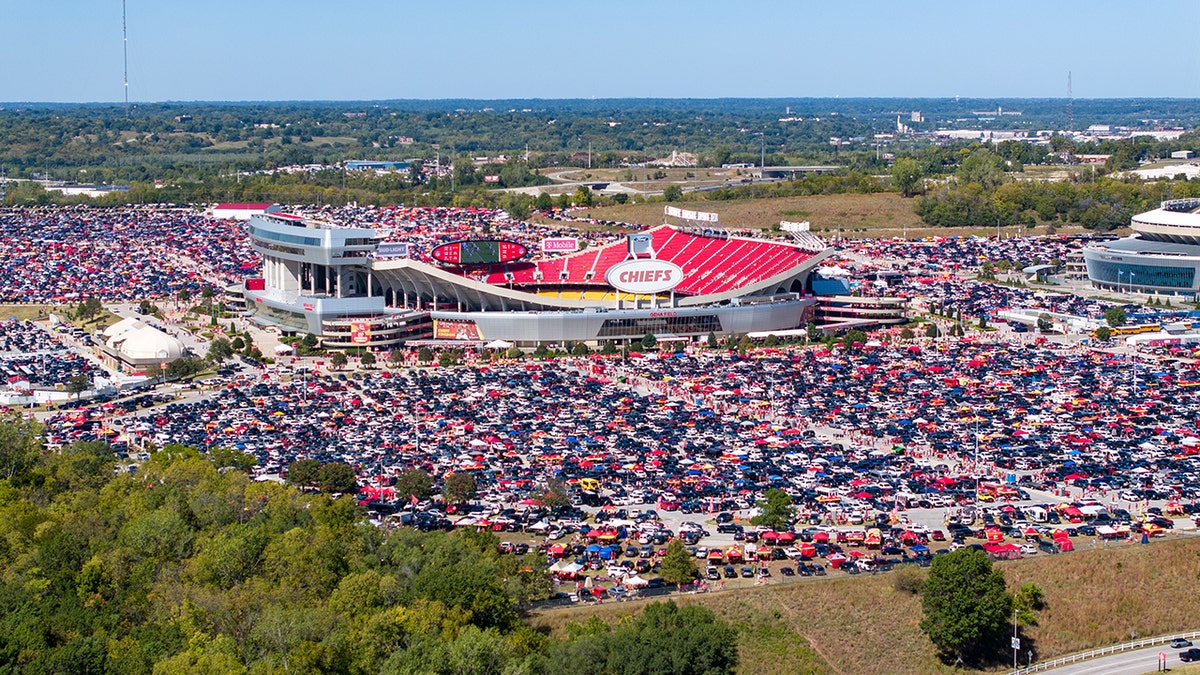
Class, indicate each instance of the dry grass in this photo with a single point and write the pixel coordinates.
(854, 215)
(23, 312)
(862, 625)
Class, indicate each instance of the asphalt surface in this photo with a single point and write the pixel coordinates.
(1133, 662)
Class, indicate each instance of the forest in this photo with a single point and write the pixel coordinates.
(188, 566)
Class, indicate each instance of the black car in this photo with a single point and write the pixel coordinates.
(730, 572)
(1190, 655)
(748, 572)
(787, 571)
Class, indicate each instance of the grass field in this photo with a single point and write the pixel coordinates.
(853, 215)
(23, 312)
(862, 625)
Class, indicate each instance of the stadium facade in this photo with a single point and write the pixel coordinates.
(1162, 256)
(352, 289)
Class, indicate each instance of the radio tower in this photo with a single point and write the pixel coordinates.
(125, 52)
(1070, 104)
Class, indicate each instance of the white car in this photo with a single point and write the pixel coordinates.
(792, 552)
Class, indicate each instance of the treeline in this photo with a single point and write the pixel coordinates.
(188, 566)
(1098, 204)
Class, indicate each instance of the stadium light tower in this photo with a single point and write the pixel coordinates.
(125, 54)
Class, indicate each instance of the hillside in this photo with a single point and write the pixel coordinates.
(862, 625)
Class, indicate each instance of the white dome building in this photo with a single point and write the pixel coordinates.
(133, 345)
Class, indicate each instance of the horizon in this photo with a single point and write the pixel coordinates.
(272, 51)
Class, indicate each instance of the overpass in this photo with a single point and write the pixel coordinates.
(792, 172)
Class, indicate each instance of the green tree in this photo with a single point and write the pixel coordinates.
(1045, 322)
(580, 349)
(368, 359)
(1103, 333)
(1115, 316)
(672, 193)
(966, 607)
(984, 167)
(303, 472)
(459, 487)
(544, 201)
(775, 510)
(541, 351)
(931, 331)
(220, 350)
(238, 344)
(608, 348)
(649, 342)
(424, 354)
(309, 341)
(338, 360)
(906, 333)
(183, 295)
(678, 566)
(337, 477)
(711, 340)
(852, 338)
(583, 196)
(20, 443)
(78, 384)
(414, 483)
(907, 176)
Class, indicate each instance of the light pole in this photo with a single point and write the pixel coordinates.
(1016, 642)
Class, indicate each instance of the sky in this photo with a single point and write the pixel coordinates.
(268, 50)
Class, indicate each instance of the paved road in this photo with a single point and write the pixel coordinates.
(1126, 663)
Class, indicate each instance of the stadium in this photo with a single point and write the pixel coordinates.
(680, 280)
(1161, 256)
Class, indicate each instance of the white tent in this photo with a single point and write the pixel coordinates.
(636, 581)
(499, 344)
(283, 349)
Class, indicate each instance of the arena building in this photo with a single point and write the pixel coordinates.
(1161, 256)
(680, 280)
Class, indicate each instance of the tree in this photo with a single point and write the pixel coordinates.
(544, 202)
(678, 566)
(672, 193)
(395, 357)
(608, 348)
(414, 483)
(238, 344)
(309, 341)
(338, 360)
(1103, 333)
(906, 333)
(907, 176)
(711, 340)
(220, 350)
(775, 510)
(1115, 316)
(966, 607)
(649, 341)
(541, 352)
(931, 331)
(78, 384)
(580, 349)
(183, 295)
(337, 477)
(583, 196)
(20, 443)
(1045, 322)
(983, 323)
(303, 472)
(459, 487)
(368, 359)
(983, 167)
(424, 354)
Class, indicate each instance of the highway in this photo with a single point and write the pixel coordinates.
(1133, 662)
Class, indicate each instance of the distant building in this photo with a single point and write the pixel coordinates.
(372, 165)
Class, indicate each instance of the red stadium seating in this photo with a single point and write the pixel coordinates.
(711, 265)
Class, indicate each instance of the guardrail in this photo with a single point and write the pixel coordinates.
(1105, 651)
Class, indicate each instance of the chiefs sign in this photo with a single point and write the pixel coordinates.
(644, 276)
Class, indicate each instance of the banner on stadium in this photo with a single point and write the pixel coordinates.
(684, 214)
(360, 333)
(560, 245)
(392, 249)
(446, 329)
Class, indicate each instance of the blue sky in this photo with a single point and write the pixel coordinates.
(70, 50)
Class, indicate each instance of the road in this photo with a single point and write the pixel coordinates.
(1134, 662)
